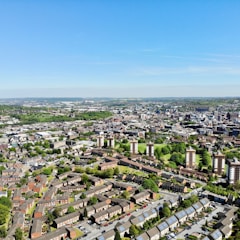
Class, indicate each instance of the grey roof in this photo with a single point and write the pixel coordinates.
(162, 226)
(143, 236)
(146, 214)
(216, 234)
(204, 201)
(206, 238)
(153, 232)
(171, 220)
(153, 210)
(190, 210)
(121, 228)
(181, 214)
(197, 205)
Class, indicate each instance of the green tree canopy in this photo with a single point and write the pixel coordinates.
(19, 234)
(134, 230)
(117, 236)
(6, 202)
(150, 184)
(70, 209)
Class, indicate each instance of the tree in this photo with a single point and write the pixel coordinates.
(1, 169)
(166, 211)
(186, 203)
(165, 150)
(150, 184)
(126, 194)
(19, 234)
(4, 212)
(83, 196)
(177, 158)
(133, 230)
(93, 200)
(70, 209)
(57, 212)
(158, 153)
(206, 158)
(237, 185)
(6, 202)
(50, 217)
(116, 171)
(85, 178)
(3, 232)
(47, 171)
(117, 236)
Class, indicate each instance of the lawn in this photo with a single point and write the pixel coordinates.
(142, 146)
(128, 170)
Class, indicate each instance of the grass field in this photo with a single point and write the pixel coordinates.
(128, 170)
(142, 146)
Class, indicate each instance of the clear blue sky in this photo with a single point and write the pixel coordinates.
(119, 48)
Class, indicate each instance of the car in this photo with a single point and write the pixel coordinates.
(186, 235)
(129, 214)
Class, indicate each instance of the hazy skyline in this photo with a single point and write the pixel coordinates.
(119, 48)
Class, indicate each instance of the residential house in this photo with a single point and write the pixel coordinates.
(96, 181)
(198, 207)
(205, 202)
(67, 219)
(122, 186)
(59, 234)
(107, 165)
(173, 202)
(190, 212)
(90, 211)
(17, 196)
(109, 235)
(123, 228)
(152, 213)
(38, 188)
(36, 230)
(24, 208)
(216, 235)
(113, 211)
(181, 216)
(138, 220)
(100, 216)
(153, 233)
(39, 211)
(100, 206)
(141, 197)
(172, 222)
(163, 228)
(226, 231)
(143, 236)
(49, 195)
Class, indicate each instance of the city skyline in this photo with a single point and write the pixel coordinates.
(113, 49)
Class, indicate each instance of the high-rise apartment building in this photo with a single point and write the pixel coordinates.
(150, 149)
(190, 158)
(100, 140)
(233, 170)
(110, 142)
(134, 147)
(218, 163)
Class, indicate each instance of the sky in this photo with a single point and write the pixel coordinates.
(119, 48)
